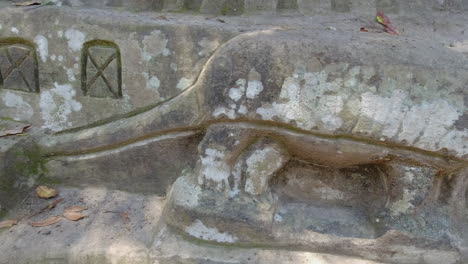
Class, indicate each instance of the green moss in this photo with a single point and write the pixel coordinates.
(233, 8)
(48, 180)
(30, 162)
(224, 11)
(3, 213)
(3, 118)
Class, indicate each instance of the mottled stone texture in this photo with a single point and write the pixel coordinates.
(264, 134)
(238, 7)
(137, 65)
(341, 5)
(388, 6)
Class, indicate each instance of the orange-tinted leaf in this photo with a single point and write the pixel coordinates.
(124, 216)
(74, 216)
(363, 29)
(45, 192)
(8, 223)
(47, 222)
(75, 209)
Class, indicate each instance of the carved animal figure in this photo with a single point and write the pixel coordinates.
(383, 117)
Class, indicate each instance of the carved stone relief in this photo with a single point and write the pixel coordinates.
(101, 73)
(18, 66)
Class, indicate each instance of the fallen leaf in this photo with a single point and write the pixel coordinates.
(14, 131)
(48, 207)
(75, 209)
(45, 192)
(52, 205)
(73, 215)
(124, 216)
(391, 30)
(385, 21)
(28, 3)
(363, 29)
(8, 223)
(47, 222)
(163, 17)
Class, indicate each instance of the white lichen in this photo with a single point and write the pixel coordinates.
(22, 111)
(56, 105)
(199, 230)
(155, 44)
(75, 39)
(42, 46)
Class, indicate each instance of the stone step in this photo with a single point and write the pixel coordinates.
(240, 7)
(105, 236)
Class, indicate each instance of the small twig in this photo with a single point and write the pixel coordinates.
(47, 208)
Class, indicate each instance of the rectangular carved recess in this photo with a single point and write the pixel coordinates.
(101, 72)
(18, 65)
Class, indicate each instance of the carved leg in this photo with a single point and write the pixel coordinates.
(234, 159)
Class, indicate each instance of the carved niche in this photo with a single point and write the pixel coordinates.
(18, 65)
(101, 72)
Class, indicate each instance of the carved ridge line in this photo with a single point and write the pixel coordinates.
(424, 157)
(135, 144)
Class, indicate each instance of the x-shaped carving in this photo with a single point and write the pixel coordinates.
(15, 65)
(100, 72)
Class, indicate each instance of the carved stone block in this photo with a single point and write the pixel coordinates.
(18, 67)
(101, 70)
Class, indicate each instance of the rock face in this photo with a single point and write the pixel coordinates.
(270, 131)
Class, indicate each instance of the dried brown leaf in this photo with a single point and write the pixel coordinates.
(391, 30)
(124, 216)
(28, 3)
(73, 215)
(45, 192)
(52, 205)
(75, 209)
(14, 131)
(8, 223)
(47, 222)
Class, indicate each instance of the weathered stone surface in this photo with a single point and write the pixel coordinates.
(296, 134)
(259, 164)
(339, 92)
(239, 7)
(156, 162)
(158, 60)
